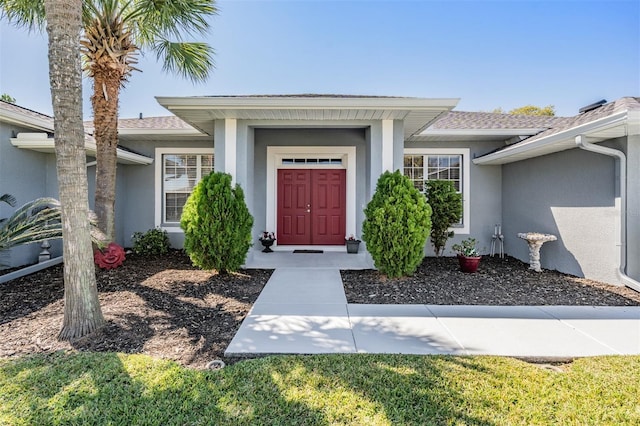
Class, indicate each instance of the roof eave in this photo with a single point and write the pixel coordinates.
(482, 132)
(249, 102)
(417, 113)
(26, 120)
(42, 143)
(544, 145)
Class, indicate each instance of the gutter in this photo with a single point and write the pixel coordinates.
(563, 137)
(581, 142)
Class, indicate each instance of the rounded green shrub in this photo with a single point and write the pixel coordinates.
(217, 224)
(446, 210)
(153, 242)
(396, 226)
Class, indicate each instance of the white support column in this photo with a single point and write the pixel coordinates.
(230, 146)
(387, 145)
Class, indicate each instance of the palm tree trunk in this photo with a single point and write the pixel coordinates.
(106, 88)
(82, 313)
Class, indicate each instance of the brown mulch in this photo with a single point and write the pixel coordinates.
(160, 306)
(508, 281)
(164, 307)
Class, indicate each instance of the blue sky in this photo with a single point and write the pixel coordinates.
(488, 53)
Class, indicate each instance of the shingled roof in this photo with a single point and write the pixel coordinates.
(26, 116)
(609, 121)
(456, 120)
(622, 104)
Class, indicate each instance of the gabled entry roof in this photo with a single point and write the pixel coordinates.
(200, 112)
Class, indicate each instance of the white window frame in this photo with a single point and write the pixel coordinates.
(466, 179)
(159, 164)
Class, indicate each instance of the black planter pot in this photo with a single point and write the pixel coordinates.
(352, 246)
(267, 243)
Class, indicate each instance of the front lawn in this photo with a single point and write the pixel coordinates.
(108, 388)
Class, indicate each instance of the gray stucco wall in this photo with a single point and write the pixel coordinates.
(484, 192)
(570, 194)
(306, 137)
(633, 206)
(26, 175)
(135, 201)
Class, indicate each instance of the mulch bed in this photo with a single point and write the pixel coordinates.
(164, 307)
(160, 306)
(508, 281)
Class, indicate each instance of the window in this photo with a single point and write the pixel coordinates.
(179, 173)
(421, 165)
(438, 167)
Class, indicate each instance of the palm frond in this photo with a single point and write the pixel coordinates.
(9, 199)
(24, 13)
(35, 221)
(39, 220)
(171, 19)
(193, 61)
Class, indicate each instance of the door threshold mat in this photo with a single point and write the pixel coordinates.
(308, 251)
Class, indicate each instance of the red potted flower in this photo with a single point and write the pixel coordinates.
(468, 256)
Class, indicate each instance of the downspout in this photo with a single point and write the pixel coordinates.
(581, 142)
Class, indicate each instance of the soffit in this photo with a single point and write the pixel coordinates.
(42, 143)
(200, 112)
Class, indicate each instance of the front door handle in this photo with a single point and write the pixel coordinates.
(308, 208)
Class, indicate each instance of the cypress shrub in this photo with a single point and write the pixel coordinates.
(446, 210)
(396, 225)
(217, 224)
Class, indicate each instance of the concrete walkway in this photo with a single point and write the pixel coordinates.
(304, 311)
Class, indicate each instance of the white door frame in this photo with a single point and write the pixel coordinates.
(275, 155)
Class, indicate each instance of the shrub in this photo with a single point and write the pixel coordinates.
(217, 224)
(446, 210)
(396, 225)
(154, 241)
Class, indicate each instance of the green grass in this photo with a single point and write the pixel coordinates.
(116, 389)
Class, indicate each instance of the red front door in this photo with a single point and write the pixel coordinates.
(311, 206)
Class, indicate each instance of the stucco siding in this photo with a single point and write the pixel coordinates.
(633, 207)
(572, 195)
(26, 175)
(135, 199)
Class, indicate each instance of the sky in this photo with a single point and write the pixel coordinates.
(490, 54)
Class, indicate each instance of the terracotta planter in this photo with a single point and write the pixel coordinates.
(469, 264)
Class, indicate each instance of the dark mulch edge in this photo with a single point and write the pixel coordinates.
(508, 281)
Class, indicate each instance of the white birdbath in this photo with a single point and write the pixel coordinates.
(535, 241)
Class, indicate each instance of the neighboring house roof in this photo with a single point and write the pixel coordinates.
(38, 141)
(613, 120)
(201, 111)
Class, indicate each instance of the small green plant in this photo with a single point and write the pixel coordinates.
(217, 224)
(446, 207)
(154, 241)
(467, 248)
(396, 225)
